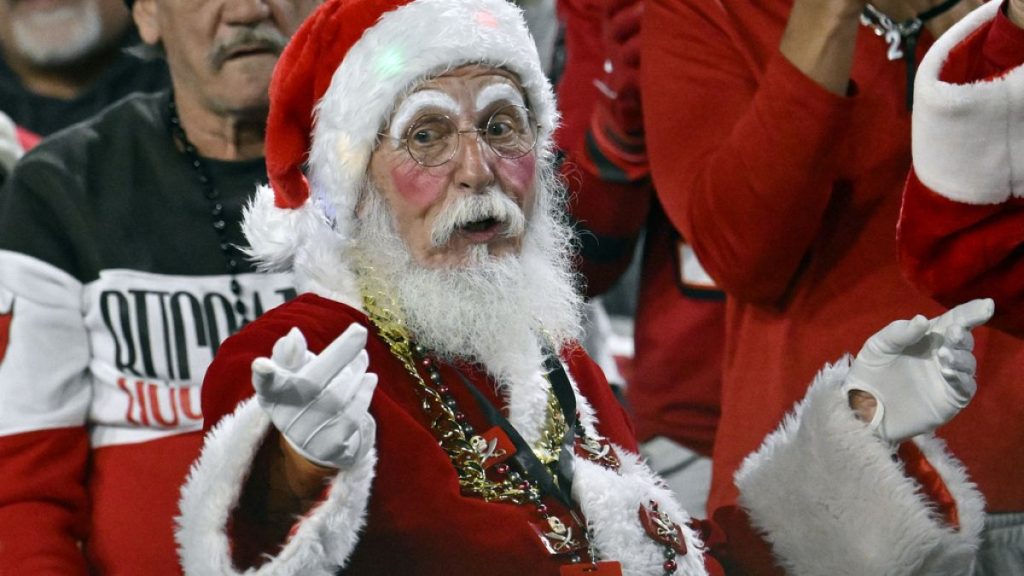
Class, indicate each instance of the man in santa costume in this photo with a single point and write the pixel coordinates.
(424, 408)
(962, 223)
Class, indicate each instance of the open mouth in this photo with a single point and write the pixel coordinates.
(483, 225)
(483, 230)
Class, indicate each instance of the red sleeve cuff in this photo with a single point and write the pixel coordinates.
(788, 85)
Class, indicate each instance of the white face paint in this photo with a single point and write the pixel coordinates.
(423, 101)
(52, 36)
(493, 93)
(415, 105)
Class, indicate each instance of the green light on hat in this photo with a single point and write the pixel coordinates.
(390, 63)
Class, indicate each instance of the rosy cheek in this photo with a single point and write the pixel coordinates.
(519, 172)
(417, 186)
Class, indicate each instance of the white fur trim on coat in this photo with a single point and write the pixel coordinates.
(968, 139)
(831, 500)
(611, 503)
(324, 539)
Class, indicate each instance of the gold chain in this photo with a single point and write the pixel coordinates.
(469, 463)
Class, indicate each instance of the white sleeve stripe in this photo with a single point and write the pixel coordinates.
(45, 348)
(37, 280)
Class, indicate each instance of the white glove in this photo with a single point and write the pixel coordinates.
(10, 147)
(920, 371)
(319, 402)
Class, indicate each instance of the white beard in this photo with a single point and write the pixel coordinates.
(60, 36)
(499, 312)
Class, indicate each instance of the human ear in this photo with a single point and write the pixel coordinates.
(144, 12)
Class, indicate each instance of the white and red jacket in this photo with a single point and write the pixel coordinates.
(114, 298)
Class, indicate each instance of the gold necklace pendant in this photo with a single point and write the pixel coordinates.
(468, 451)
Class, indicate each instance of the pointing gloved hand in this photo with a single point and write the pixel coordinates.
(920, 371)
(319, 403)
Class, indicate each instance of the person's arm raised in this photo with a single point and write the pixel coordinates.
(819, 40)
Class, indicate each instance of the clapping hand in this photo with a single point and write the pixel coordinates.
(920, 371)
(319, 402)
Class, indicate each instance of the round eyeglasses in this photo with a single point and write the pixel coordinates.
(433, 139)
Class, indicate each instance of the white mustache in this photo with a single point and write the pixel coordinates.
(492, 203)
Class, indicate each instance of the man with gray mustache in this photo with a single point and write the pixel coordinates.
(121, 272)
(61, 61)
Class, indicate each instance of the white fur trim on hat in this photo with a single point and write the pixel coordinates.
(321, 544)
(831, 500)
(968, 139)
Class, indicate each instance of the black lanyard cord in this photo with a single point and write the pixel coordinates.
(560, 487)
(909, 32)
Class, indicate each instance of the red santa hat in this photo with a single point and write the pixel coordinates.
(334, 88)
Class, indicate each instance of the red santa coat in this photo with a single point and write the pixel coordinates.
(962, 225)
(400, 510)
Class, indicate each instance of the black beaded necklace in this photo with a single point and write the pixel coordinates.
(210, 192)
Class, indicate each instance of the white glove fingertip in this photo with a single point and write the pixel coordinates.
(363, 396)
(337, 355)
(905, 333)
(263, 371)
(976, 312)
(290, 350)
(361, 362)
(370, 380)
(263, 365)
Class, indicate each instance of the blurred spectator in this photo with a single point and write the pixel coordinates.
(675, 376)
(779, 140)
(61, 61)
(121, 276)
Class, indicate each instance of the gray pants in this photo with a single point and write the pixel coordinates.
(1002, 546)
